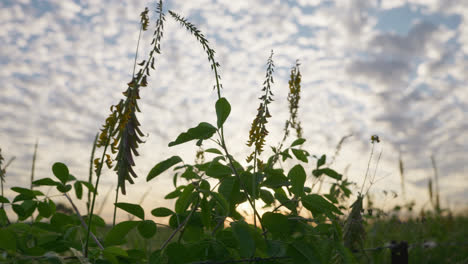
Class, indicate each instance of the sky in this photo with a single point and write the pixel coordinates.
(396, 69)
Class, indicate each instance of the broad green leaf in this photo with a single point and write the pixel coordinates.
(117, 251)
(329, 172)
(301, 252)
(284, 200)
(147, 228)
(267, 197)
(300, 154)
(3, 200)
(60, 171)
(78, 190)
(297, 175)
(3, 217)
(44, 209)
(321, 161)
(218, 170)
(177, 253)
(277, 224)
(8, 240)
(161, 212)
(46, 182)
(333, 174)
(116, 236)
(275, 178)
(163, 166)
(319, 205)
(297, 142)
(223, 109)
(244, 238)
(202, 131)
(60, 220)
(25, 209)
(213, 150)
(189, 174)
(88, 185)
(221, 201)
(24, 191)
(230, 189)
(133, 209)
(157, 258)
(184, 199)
(64, 188)
(205, 212)
(173, 194)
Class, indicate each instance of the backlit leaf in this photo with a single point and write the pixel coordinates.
(133, 209)
(60, 171)
(223, 109)
(163, 166)
(202, 131)
(297, 175)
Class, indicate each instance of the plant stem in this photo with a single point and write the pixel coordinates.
(33, 166)
(181, 225)
(115, 206)
(83, 223)
(98, 176)
(90, 179)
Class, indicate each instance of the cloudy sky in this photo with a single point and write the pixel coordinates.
(392, 68)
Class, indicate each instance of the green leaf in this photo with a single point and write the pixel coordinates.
(277, 224)
(44, 209)
(329, 172)
(218, 170)
(88, 185)
(8, 240)
(184, 199)
(244, 238)
(300, 154)
(133, 209)
(221, 201)
(3, 200)
(173, 195)
(60, 171)
(213, 150)
(64, 188)
(147, 228)
(117, 251)
(45, 182)
(223, 109)
(319, 205)
(177, 253)
(275, 178)
(162, 212)
(3, 217)
(266, 197)
(321, 161)
(301, 252)
(60, 220)
(202, 131)
(297, 175)
(163, 166)
(116, 236)
(298, 142)
(78, 190)
(333, 174)
(24, 191)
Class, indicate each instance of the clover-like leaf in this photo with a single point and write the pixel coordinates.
(163, 166)
(133, 209)
(223, 109)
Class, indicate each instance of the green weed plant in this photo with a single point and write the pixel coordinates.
(205, 225)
